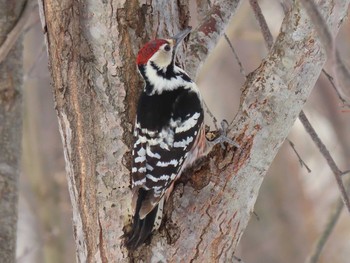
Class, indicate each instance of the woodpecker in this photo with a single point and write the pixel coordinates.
(168, 133)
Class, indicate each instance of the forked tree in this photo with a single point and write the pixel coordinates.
(92, 47)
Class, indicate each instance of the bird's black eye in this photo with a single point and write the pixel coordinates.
(167, 48)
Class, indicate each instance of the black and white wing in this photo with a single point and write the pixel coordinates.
(161, 148)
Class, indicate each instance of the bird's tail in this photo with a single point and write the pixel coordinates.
(142, 228)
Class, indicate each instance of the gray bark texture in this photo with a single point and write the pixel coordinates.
(10, 129)
(92, 47)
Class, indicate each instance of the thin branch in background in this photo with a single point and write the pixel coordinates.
(346, 172)
(36, 61)
(307, 125)
(237, 259)
(331, 163)
(215, 121)
(327, 39)
(256, 216)
(342, 74)
(301, 161)
(17, 30)
(33, 24)
(241, 68)
(332, 220)
(27, 251)
(262, 23)
(331, 80)
(345, 199)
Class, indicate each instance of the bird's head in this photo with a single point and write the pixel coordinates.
(161, 52)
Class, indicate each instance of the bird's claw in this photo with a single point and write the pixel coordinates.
(222, 137)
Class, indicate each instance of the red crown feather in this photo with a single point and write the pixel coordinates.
(148, 50)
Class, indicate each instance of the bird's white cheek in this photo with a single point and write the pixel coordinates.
(162, 59)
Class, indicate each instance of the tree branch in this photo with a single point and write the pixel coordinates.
(301, 161)
(17, 29)
(328, 40)
(272, 98)
(332, 220)
(320, 25)
(11, 116)
(331, 163)
(331, 80)
(269, 42)
(262, 22)
(96, 86)
(204, 38)
(325, 37)
(241, 68)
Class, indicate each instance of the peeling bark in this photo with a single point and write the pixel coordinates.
(92, 48)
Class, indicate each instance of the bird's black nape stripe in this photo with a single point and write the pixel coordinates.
(148, 86)
(185, 77)
(141, 228)
(167, 74)
(142, 70)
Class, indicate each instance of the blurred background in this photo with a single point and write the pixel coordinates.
(293, 206)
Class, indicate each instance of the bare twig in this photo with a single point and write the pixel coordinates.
(332, 220)
(322, 148)
(345, 172)
(256, 216)
(331, 80)
(38, 57)
(211, 115)
(262, 23)
(241, 68)
(16, 30)
(301, 161)
(237, 259)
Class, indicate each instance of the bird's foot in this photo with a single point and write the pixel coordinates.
(221, 136)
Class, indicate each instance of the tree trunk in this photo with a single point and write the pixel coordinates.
(10, 129)
(92, 47)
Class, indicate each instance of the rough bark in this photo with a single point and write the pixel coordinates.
(92, 47)
(10, 129)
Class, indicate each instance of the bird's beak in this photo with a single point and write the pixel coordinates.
(180, 36)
